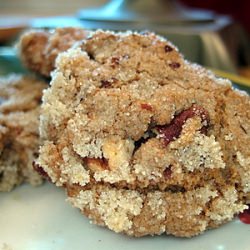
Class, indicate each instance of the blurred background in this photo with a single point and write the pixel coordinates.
(215, 35)
(239, 10)
(45, 7)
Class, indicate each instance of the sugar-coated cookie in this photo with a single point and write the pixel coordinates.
(38, 49)
(143, 141)
(20, 99)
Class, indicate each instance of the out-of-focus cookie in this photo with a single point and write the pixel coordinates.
(20, 99)
(39, 48)
(143, 141)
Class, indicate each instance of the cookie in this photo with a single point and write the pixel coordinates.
(143, 141)
(19, 137)
(38, 49)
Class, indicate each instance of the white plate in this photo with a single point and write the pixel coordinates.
(40, 219)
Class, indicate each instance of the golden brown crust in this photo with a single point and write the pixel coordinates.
(19, 111)
(38, 48)
(143, 141)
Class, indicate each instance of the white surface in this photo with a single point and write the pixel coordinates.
(40, 219)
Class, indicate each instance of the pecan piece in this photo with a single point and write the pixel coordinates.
(40, 171)
(173, 130)
(108, 83)
(168, 48)
(146, 106)
(115, 61)
(167, 173)
(174, 65)
(96, 164)
(245, 216)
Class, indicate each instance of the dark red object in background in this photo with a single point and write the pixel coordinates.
(239, 10)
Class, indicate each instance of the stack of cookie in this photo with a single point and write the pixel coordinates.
(143, 141)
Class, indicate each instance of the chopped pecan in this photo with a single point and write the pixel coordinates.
(146, 106)
(108, 83)
(245, 215)
(167, 172)
(105, 84)
(173, 130)
(115, 61)
(174, 65)
(95, 164)
(168, 48)
(40, 171)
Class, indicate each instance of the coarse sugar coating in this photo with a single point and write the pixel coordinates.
(38, 49)
(143, 141)
(19, 137)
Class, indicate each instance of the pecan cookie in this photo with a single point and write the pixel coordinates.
(143, 141)
(19, 111)
(39, 48)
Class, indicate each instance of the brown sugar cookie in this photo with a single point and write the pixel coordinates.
(19, 138)
(38, 49)
(143, 141)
